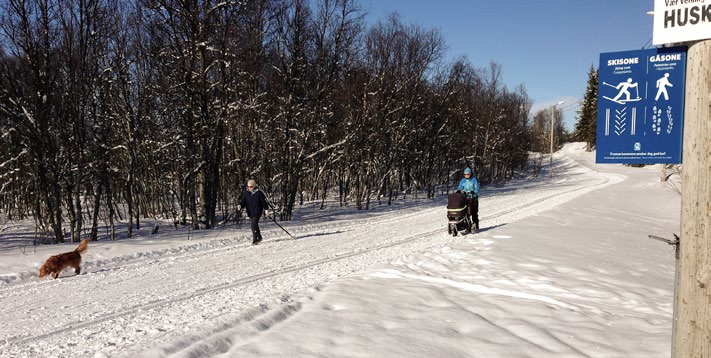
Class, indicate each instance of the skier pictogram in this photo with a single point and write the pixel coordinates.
(623, 88)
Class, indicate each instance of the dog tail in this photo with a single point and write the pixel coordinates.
(82, 246)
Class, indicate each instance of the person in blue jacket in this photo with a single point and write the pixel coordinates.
(256, 204)
(470, 186)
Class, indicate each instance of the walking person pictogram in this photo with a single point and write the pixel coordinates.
(662, 84)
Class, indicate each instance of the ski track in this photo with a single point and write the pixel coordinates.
(226, 277)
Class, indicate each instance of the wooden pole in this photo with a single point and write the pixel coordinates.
(552, 125)
(692, 302)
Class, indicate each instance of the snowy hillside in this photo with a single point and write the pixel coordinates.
(562, 267)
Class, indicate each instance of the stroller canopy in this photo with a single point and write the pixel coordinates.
(456, 201)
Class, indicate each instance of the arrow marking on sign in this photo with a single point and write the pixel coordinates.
(620, 122)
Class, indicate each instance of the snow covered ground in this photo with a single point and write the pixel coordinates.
(562, 267)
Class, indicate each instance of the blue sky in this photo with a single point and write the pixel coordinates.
(546, 45)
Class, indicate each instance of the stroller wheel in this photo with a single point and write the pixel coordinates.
(449, 229)
(454, 232)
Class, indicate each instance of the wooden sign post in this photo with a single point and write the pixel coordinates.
(692, 302)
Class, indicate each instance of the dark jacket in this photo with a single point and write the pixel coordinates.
(255, 202)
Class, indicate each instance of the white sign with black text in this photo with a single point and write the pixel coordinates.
(681, 20)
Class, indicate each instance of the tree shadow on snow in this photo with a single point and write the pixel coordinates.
(487, 228)
(307, 236)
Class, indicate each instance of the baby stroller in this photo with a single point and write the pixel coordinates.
(458, 213)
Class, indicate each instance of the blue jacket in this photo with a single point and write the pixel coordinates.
(469, 186)
(255, 202)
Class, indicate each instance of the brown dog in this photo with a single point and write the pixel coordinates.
(57, 263)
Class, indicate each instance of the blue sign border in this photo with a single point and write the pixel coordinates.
(640, 113)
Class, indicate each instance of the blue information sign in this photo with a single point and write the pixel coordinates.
(640, 106)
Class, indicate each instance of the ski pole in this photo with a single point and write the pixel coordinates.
(273, 219)
(271, 206)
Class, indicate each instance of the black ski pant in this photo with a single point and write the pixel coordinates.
(256, 234)
(474, 209)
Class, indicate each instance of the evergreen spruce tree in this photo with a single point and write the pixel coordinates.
(586, 124)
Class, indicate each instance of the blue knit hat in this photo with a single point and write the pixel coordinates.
(468, 170)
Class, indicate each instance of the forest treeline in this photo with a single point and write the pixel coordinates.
(117, 111)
